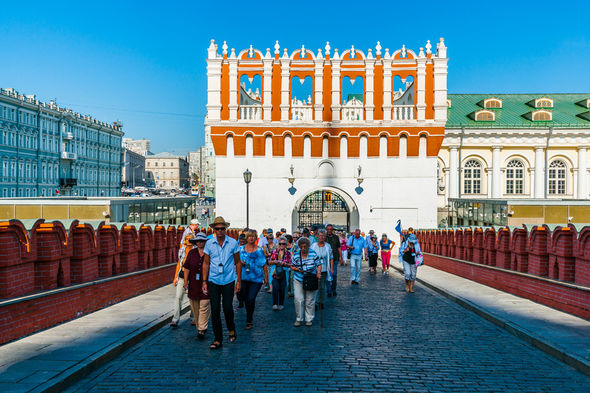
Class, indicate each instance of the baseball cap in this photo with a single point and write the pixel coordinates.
(194, 221)
(269, 231)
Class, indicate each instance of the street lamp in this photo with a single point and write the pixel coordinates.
(247, 180)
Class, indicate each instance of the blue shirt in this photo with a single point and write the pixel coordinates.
(324, 253)
(222, 269)
(372, 248)
(254, 268)
(357, 245)
(385, 246)
(309, 264)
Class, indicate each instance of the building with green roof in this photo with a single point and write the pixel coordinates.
(516, 147)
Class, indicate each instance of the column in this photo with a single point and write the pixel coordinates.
(214, 89)
(335, 90)
(539, 172)
(582, 173)
(285, 86)
(267, 90)
(453, 191)
(233, 89)
(387, 90)
(496, 173)
(369, 89)
(440, 82)
(318, 104)
(421, 89)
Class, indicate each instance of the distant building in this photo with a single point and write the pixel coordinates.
(202, 164)
(167, 171)
(133, 169)
(139, 146)
(47, 150)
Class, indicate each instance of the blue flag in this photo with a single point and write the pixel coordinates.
(398, 227)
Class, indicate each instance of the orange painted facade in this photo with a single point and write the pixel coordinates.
(379, 114)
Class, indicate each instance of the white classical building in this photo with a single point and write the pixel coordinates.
(360, 150)
(517, 147)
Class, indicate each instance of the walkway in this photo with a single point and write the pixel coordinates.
(376, 338)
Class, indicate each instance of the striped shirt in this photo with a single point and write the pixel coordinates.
(309, 264)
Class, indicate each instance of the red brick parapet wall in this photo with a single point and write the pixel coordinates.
(550, 266)
(50, 274)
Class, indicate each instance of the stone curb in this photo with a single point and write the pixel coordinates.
(78, 371)
(546, 346)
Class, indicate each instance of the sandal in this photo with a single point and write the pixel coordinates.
(232, 336)
(201, 335)
(248, 326)
(215, 345)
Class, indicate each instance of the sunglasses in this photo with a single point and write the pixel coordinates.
(282, 244)
(220, 228)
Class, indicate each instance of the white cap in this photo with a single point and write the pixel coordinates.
(194, 221)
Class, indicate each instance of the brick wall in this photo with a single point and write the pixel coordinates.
(555, 294)
(85, 268)
(27, 315)
(556, 262)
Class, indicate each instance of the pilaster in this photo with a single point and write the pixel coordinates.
(387, 104)
(369, 89)
(318, 105)
(335, 90)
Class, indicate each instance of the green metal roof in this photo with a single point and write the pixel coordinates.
(567, 113)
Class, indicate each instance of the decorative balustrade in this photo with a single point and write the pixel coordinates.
(403, 112)
(301, 112)
(250, 112)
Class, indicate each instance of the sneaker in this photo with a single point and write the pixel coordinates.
(334, 294)
(352, 282)
(281, 307)
(297, 323)
(384, 272)
(308, 323)
(329, 294)
(275, 307)
(173, 325)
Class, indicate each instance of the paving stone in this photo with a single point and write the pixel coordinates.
(376, 338)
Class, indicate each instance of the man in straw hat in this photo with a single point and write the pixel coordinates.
(222, 277)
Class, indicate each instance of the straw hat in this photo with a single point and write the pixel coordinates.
(219, 220)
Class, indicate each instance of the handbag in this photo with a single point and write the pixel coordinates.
(419, 259)
(310, 282)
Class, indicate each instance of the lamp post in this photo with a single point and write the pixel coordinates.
(247, 180)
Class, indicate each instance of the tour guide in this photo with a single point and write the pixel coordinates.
(222, 276)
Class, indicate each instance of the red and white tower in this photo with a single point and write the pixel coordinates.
(357, 149)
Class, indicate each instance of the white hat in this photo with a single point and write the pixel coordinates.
(194, 221)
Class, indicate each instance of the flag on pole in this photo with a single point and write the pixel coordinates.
(398, 227)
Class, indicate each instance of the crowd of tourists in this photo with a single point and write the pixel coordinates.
(302, 265)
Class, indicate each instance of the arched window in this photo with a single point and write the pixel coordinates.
(557, 179)
(544, 103)
(542, 116)
(515, 177)
(484, 116)
(492, 103)
(472, 177)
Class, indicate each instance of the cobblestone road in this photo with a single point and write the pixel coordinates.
(376, 338)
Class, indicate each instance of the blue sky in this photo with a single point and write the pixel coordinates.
(143, 62)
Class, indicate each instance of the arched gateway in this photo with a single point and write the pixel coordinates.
(324, 206)
(356, 159)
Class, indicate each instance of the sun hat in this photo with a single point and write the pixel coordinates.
(194, 221)
(371, 232)
(219, 220)
(200, 237)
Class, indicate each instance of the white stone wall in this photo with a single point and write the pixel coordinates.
(394, 188)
